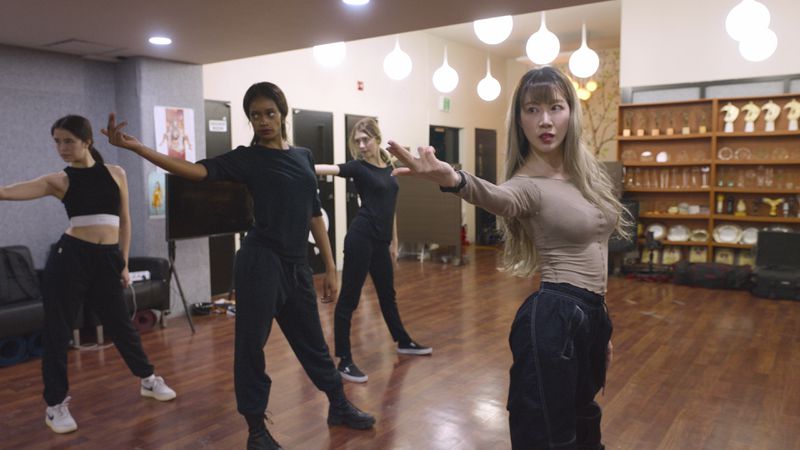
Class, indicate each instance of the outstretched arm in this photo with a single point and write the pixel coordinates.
(426, 166)
(37, 188)
(329, 286)
(179, 167)
(326, 169)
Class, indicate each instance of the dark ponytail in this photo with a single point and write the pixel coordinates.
(82, 129)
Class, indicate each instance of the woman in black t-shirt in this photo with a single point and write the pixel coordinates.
(273, 278)
(370, 245)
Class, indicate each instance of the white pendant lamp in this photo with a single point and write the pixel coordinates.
(584, 61)
(488, 88)
(397, 64)
(759, 46)
(493, 31)
(543, 46)
(330, 55)
(445, 79)
(747, 17)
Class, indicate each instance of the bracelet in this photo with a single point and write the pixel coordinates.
(459, 186)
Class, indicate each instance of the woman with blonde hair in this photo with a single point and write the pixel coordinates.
(556, 212)
(370, 245)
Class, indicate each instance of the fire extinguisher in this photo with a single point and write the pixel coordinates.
(464, 241)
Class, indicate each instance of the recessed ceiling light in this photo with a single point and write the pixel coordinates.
(160, 40)
(355, 2)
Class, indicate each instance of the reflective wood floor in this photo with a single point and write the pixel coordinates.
(693, 369)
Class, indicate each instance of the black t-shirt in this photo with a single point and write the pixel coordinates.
(284, 190)
(378, 191)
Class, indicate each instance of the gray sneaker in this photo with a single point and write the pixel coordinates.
(413, 348)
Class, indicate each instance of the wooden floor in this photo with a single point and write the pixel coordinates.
(693, 369)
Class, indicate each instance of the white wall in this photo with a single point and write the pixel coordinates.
(405, 108)
(684, 41)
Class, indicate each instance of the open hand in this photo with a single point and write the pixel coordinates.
(116, 137)
(330, 288)
(426, 166)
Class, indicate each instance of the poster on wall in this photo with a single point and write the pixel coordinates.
(175, 132)
(155, 193)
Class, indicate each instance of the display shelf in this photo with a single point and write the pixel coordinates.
(726, 245)
(665, 242)
(666, 137)
(767, 219)
(668, 164)
(659, 190)
(667, 216)
(754, 162)
(756, 190)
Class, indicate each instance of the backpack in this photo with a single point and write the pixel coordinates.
(712, 275)
(18, 280)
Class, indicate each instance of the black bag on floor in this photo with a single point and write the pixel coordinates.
(712, 275)
(18, 280)
(775, 283)
(777, 265)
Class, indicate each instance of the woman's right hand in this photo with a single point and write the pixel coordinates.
(117, 138)
(426, 166)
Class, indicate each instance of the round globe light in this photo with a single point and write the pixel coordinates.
(747, 17)
(488, 88)
(591, 85)
(355, 2)
(543, 46)
(495, 30)
(759, 46)
(584, 61)
(330, 55)
(397, 64)
(584, 94)
(445, 79)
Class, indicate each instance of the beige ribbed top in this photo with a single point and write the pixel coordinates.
(569, 233)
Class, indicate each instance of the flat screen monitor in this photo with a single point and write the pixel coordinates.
(778, 249)
(206, 208)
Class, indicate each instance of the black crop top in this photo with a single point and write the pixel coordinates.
(92, 190)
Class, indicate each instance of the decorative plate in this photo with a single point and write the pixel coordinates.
(662, 157)
(659, 230)
(671, 255)
(628, 155)
(678, 233)
(727, 234)
(699, 235)
(750, 236)
(725, 153)
(742, 153)
(780, 153)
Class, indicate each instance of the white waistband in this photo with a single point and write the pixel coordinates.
(94, 219)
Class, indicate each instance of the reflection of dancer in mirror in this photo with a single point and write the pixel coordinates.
(370, 245)
(272, 279)
(175, 136)
(556, 212)
(87, 265)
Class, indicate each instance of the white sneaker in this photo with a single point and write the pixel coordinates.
(59, 419)
(155, 387)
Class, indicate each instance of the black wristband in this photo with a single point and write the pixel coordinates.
(457, 187)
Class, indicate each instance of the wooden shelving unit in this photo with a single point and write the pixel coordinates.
(690, 165)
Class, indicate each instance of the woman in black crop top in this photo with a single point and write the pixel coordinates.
(370, 245)
(273, 279)
(87, 266)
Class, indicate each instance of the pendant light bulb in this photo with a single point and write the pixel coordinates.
(584, 61)
(543, 46)
(493, 31)
(759, 46)
(746, 18)
(397, 64)
(445, 79)
(330, 55)
(488, 88)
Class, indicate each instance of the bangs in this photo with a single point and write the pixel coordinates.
(544, 92)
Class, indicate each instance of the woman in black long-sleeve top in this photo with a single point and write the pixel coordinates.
(273, 278)
(370, 245)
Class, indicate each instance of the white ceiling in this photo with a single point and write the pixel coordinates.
(205, 32)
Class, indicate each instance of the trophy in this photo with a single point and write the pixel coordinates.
(751, 113)
(773, 205)
(731, 113)
(627, 120)
(686, 129)
(702, 128)
(639, 123)
(771, 112)
(667, 118)
(657, 128)
(794, 113)
(741, 208)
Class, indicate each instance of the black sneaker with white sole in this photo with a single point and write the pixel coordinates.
(413, 348)
(350, 372)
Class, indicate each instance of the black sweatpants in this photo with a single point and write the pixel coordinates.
(363, 254)
(558, 340)
(268, 287)
(79, 272)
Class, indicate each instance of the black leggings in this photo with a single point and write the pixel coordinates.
(268, 288)
(363, 254)
(79, 272)
(558, 340)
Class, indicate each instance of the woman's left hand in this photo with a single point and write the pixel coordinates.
(125, 278)
(330, 287)
(393, 251)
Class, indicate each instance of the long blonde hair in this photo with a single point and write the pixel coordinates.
(581, 166)
(368, 126)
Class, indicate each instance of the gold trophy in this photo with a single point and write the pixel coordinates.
(773, 205)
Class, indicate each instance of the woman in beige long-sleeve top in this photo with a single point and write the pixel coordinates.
(556, 211)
